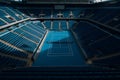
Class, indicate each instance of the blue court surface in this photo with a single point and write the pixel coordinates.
(59, 49)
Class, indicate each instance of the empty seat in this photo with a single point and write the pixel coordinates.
(64, 25)
(19, 42)
(2, 23)
(8, 62)
(48, 24)
(10, 12)
(32, 31)
(6, 16)
(4, 49)
(25, 34)
(107, 46)
(55, 25)
(112, 61)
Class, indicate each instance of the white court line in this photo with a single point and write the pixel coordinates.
(69, 46)
(49, 50)
(59, 55)
(49, 45)
(59, 47)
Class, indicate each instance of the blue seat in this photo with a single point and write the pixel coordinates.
(10, 12)
(85, 33)
(110, 16)
(38, 25)
(32, 31)
(55, 25)
(4, 49)
(11, 62)
(37, 28)
(107, 46)
(48, 24)
(63, 25)
(2, 23)
(19, 42)
(3, 14)
(20, 13)
(31, 37)
(71, 24)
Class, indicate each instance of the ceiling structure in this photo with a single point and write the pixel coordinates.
(57, 1)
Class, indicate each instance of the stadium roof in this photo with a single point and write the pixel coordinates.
(57, 1)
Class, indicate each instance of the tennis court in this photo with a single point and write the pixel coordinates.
(59, 49)
(58, 46)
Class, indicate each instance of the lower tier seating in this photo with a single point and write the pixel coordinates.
(8, 62)
(5, 49)
(19, 44)
(97, 43)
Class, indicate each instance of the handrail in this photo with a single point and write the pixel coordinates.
(14, 12)
(4, 21)
(5, 26)
(37, 50)
(7, 14)
(106, 28)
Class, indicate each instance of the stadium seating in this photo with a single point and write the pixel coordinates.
(64, 39)
(21, 40)
(11, 12)
(97, 43)
(6, 16)
(101, 15)
(63, 25)
(12, 51)
(20, 13)
(47, 24)
(55, 25)
(110, 62)
(8, 62)
(2, 23)
(49, 13)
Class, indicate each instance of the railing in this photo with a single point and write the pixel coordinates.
(11, 24)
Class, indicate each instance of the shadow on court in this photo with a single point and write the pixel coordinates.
(60, 51)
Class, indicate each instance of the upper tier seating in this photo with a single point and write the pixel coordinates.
(107, 16)
(6, 17)
(11, 13)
